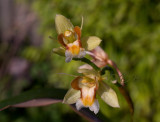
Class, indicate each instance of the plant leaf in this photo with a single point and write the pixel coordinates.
(108, 94)
(63, 24)
(38, 96)
(37, 102)
(42, 97)
(91, 42)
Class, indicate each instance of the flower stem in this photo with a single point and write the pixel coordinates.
(88, 62)
(107, 68)
(113, 64)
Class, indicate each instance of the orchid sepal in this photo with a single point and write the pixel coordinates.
(60, 51)
(71, 96)
(91, 42)
(108, 95)
(62, 24)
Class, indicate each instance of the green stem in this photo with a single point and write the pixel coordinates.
(110, 69)
(112, 72)
(88, 62)
(107, 68)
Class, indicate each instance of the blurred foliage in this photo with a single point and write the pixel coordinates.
(130, 31)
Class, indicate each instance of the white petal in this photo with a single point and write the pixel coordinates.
(95, 107)
(86, 66)
(69, 56)
(76, 43)
(68, 59)
(79, 104)
(81, 54)
(71, 96)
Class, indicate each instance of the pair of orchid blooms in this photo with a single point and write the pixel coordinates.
(84, 87)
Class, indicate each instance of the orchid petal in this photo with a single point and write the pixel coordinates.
(75, 83)
(71, 96)
(68, 59)
(99, 63)
(81, 54)
(99, 54)
(91, 42)
(95, 107)
(87, 71)
(85, 66)
(69, 56)
(78, 31)
(108, 95)
(91, 73)
(61, 40)
(62, 24)
(79, 104)
(100, 58)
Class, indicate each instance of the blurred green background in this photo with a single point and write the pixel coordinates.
(130, 31)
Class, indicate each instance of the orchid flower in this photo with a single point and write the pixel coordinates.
(100, 58)
(84, 89)
(70, 39)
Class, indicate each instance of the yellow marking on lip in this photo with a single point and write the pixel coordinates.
(87, 101)
(88, 82)
(74, 49)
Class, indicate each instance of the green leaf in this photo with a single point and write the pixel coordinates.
(60, 51)
(37, 94)
(71, 96)
(108, 94)
(91, 42)
(63, 24)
